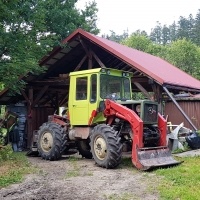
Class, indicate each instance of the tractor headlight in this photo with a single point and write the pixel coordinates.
(108, 72)
(103, 70)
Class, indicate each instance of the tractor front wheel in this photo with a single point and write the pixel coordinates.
(106, 146)
(51, 141)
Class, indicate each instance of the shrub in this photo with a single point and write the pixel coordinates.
(6, 152)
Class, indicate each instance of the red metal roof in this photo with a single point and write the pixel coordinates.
(156, 68)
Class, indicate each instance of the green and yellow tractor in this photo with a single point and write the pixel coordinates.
(102, 121)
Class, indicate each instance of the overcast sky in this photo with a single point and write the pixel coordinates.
(120, 15)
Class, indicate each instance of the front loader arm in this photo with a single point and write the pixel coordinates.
(142, 158)
(114, 110)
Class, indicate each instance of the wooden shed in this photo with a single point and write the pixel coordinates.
(190, 105)
(44, 94)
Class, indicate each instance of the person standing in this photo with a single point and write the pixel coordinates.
(14, 138)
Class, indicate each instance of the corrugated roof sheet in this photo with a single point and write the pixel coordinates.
(156, 68)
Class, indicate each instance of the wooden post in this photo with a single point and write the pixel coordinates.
(29, 118)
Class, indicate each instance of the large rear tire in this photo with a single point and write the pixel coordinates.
(106, 146)
(51, 141)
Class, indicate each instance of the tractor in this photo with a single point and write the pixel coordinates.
(102, 121)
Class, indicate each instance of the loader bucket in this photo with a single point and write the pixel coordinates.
(150, 158)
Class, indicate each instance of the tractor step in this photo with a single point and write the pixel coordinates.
(156, 157)
(33, 152)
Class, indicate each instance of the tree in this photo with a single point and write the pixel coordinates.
(138, 41)
(185, 55)
(165, 35)
(29, 29)
(196, 30)
(116, 38)
(156, 34)
(185, 28)
(173, 31)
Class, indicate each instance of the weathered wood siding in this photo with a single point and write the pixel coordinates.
(191, 108)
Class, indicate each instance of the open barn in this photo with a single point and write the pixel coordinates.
(45, 93)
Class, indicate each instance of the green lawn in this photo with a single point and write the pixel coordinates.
(13, 168)
(181, 182)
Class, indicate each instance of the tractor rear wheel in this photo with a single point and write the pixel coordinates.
(106, 146)
(51, 141)
(84, 148)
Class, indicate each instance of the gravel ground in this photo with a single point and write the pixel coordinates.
(75, 178)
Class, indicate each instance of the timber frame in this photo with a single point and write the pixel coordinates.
(81, 51)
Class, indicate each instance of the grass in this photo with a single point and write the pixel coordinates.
(13, 169)
(122, 196)
(181, 182)
(77, 169)
(126, 163)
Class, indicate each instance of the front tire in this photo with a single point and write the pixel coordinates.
(51, 141)
(106, 146)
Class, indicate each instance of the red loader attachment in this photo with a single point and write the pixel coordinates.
(144, 158)
(148, 158)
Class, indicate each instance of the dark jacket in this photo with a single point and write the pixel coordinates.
(14, 135)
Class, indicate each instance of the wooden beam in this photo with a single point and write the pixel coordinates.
(53, 102)
(143, 90)
(57, 103)
(84, 46)
(39, 95)
(29, 118)
(80, 64)
(97, 59)
(88, 53)
(50, 83)
(140, 79)
(25, 96)
(64, 100)
(90, 59)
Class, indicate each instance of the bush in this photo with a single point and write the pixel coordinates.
(6, 152)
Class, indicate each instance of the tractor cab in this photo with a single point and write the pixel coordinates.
(90, 88)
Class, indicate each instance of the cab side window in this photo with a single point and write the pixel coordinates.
(93, 88)
(81, 88)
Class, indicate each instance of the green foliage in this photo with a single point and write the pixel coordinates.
(185, 55)
(13, 169)
(115, 37)
(121, 196)
(29, 29)
(5, 152)
(138, 41)
(196, 29)
(156, 34)
(188, 28)
(198, 132)
(76, 168)
(181, 182)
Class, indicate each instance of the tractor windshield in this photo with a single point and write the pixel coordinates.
(119, 86)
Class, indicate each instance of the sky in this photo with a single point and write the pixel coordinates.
(131, 15)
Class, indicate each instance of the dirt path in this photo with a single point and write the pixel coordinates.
(80, 179)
